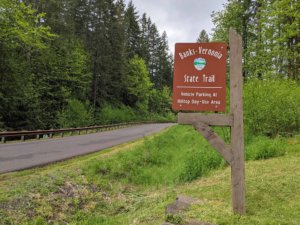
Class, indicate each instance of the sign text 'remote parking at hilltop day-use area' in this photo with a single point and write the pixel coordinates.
(200, 77)
(199, 84)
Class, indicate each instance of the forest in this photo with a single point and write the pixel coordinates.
(271, 35)
(70, 63)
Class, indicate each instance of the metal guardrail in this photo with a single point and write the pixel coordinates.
(50, 133)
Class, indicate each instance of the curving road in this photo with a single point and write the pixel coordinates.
(24, 155)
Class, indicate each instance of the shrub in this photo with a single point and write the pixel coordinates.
(118, 114)
(272, 106)
(76, 114)
(200, 162)
(264, 148)
(115, 114)
(160, 101)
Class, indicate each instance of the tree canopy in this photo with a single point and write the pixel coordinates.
(271, 35)
(55, 53)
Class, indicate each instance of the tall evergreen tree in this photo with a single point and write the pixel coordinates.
(164, 72)
(203, 37)
(133, 32)
(154, 42)
(155, 52)
(145, 25)
(118, 54)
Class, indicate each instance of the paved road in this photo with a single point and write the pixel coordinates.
(24, 155)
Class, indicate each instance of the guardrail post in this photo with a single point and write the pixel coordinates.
(62, 134)
(3, 139)
(38, 136)
(22, 138)
(50, 135)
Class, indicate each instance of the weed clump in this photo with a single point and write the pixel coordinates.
(199, 163)
(264, 148)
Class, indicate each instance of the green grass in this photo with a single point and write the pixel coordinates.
(132, 184)
(179, 155)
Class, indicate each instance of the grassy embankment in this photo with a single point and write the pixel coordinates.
(134, 186)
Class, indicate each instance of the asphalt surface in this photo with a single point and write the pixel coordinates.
(24, 155)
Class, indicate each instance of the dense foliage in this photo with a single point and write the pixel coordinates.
(270, 31)
(92, 61)
(271, 56)
(57, 55)
(271, 107)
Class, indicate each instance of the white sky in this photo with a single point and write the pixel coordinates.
(181, 19)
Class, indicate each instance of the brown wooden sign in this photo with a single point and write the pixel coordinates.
(200, 77)
(233, 153)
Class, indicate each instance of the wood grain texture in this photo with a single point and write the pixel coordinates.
(237, 132)
(209, 119)
(215, 141)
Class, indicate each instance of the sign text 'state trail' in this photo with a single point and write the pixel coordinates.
(200, 77)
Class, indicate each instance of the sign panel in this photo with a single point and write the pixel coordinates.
(200, 77)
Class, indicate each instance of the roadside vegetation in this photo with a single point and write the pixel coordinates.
(132, 184)
(54, 73)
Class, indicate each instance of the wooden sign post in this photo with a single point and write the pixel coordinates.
(233, 153)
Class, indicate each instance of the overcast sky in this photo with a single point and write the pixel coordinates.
(181, 19)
